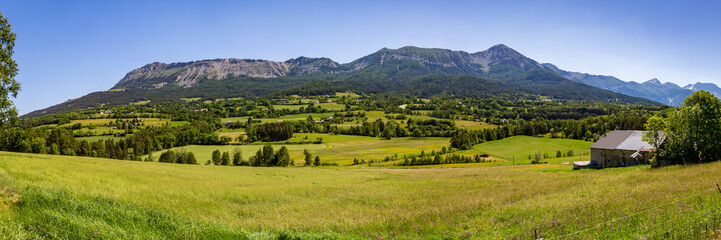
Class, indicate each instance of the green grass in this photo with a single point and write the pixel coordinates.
(328, 138)
(104, 121)
(98, 138)
(331, 106)
(204, 153)
(140, 102)
(292, 117)
(65, 197)
(190, 99)
(520, 147)
(471, 125)
(289, 107)
(340, 149)
(347, 94)
(368, 148)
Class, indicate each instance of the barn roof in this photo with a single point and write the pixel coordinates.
(623, 140)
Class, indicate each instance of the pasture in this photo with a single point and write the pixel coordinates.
(340, 149)
(77, 197)
(518, 148)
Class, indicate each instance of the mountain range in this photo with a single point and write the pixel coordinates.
(499, 70)
(666, 93)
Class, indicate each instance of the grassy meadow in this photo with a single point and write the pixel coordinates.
(340, 149)
(519, 148)
(63, 197)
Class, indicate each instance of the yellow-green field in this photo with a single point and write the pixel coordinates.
(141, 102)
(103, 121)
(347, 94)
(340, 149)
(517, 149)
(204, 153)
(471, 125)
(97, 138)
(64, 197)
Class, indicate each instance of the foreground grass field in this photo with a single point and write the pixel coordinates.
(64, 197)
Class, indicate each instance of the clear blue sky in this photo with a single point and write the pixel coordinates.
(66, 49)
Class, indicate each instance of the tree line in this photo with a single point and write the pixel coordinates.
(587, 129)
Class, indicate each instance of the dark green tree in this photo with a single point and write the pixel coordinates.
(225, 159)
(308, 157)
(317, 161)
(216, 157)
(283, 157)
(690, 133)
(268, 156)
(191, 158)
(237, 156)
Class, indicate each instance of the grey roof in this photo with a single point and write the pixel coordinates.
(623, 140)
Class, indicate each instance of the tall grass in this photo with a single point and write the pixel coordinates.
(61, 196)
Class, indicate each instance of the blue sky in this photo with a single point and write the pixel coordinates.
(66, 49)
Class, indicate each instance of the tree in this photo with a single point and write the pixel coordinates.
(237, 156)
(8, 69)
(267, 157)
(317, 161)
(282, 156)
(216, 157)
(270, 132)
(692, 132)
(191, 158)
(225, 159)
(387, 134)
(308, 157)
(537, 157)
(150, 158)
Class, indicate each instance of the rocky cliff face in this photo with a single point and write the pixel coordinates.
(156, 75)
(448, 61)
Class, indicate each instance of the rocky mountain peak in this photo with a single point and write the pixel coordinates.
(653, 81)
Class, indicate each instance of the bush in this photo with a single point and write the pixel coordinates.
(237, 156)
(225, 159)
(216, 157)
(537, 157)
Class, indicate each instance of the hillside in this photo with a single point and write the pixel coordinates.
(412, 70)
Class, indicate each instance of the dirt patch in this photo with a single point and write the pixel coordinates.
(8, 197)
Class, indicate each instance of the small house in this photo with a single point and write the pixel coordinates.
(621, 148)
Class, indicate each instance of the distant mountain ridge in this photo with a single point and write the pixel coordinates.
(407, 70)
(667, 93)
(436, 61)
(187, 74)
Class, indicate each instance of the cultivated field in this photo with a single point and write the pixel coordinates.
(64, 197)
(340, 149)
(519, 148)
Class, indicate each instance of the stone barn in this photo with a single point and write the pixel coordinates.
(621, 148)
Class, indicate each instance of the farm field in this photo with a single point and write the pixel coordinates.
(61, 197)
(289, 107)
(97, 138)
(204, 153)
(104, 121)
(340, 149)
(520, 147)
